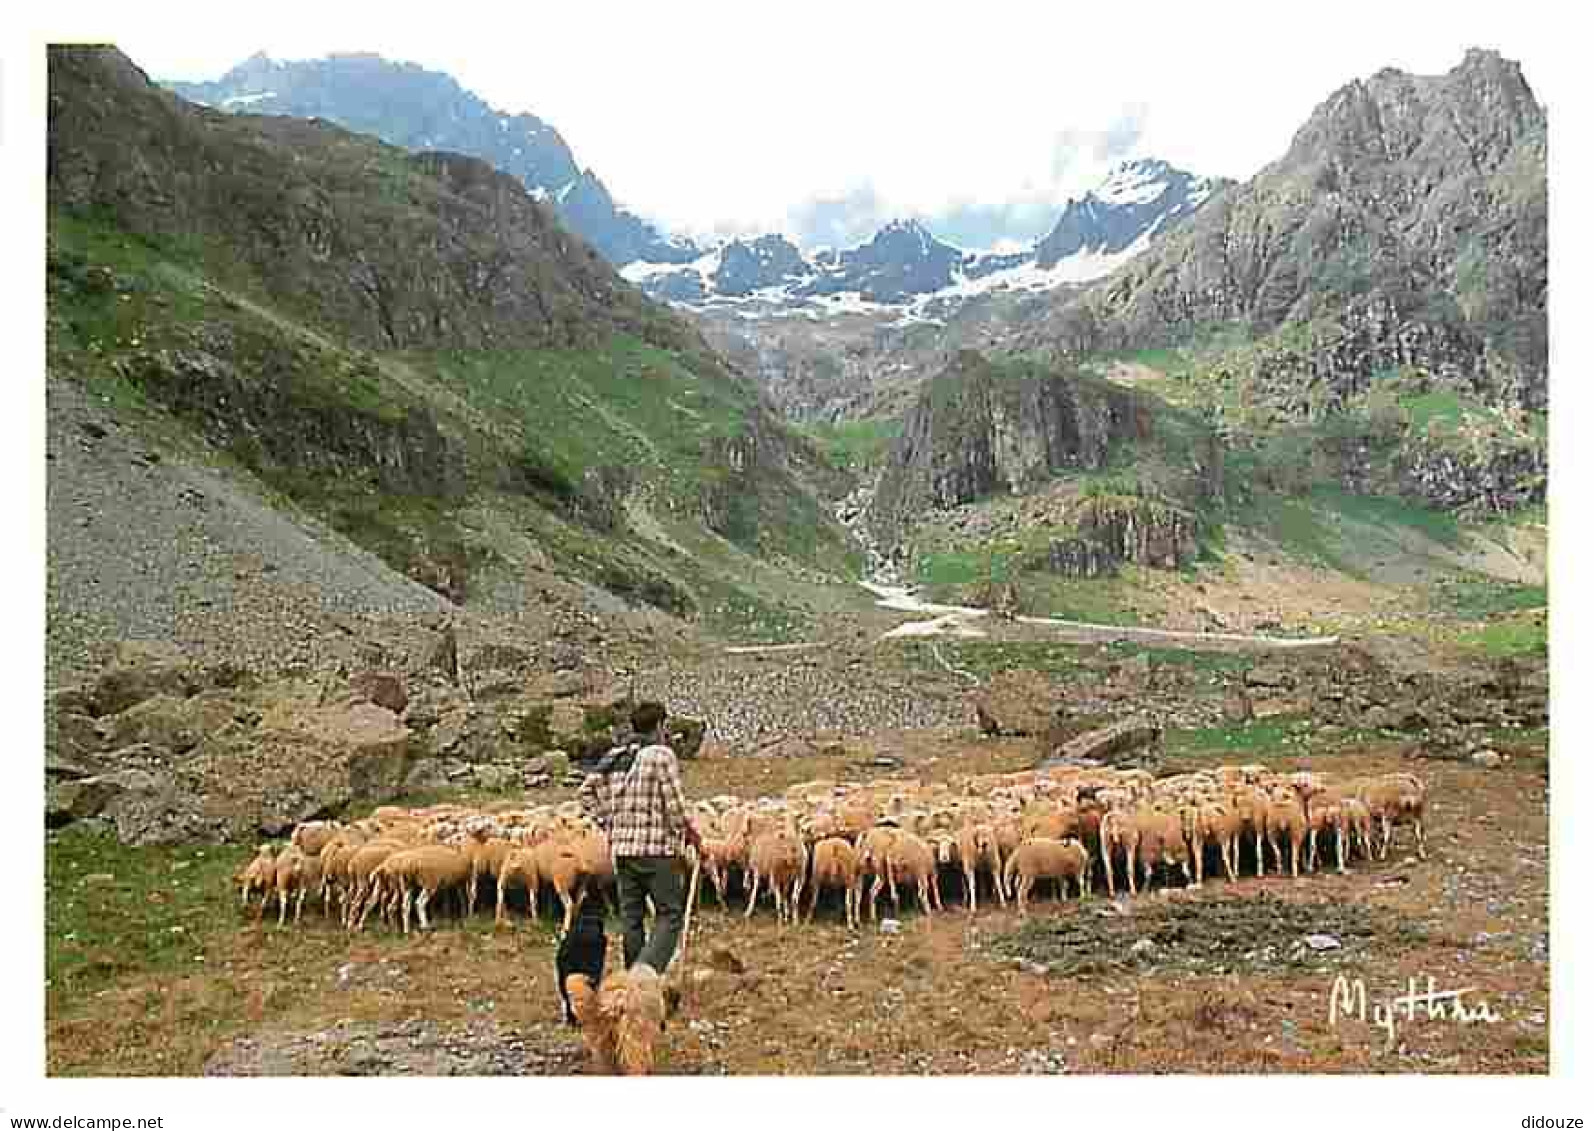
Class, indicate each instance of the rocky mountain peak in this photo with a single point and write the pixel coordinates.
(407, 105)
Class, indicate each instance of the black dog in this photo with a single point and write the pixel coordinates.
(582, 951)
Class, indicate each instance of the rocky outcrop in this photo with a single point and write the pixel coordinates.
(1017, 702)
(1081, 558)
(1405, 225)
(1130, 528)
(982, 426)
(1486, 474)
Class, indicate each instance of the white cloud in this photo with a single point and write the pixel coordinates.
(709, 119)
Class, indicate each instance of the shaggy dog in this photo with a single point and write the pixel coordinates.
(621, 1020)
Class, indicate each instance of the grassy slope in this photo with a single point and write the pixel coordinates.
(550, 415)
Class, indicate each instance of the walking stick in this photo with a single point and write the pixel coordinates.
(691, 902)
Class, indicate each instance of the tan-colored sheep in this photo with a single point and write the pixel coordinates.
(1041, 858)
(977, 848)
(835, 865)
(905, 857)
(1286, 819)
(1210, 823)
(261, 873)
(1393, 799)
(779, 859)
(1161, 841)
(1119, 832)
(420, 873)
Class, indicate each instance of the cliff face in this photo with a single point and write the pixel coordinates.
(1405, 225)
(982, 426)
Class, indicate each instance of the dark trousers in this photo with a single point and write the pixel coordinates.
(638, 877)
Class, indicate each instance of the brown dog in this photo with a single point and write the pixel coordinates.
(621, 1020)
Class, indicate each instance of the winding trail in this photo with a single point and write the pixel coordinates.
(953, 620)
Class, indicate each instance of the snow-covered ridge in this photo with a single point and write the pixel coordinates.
(248, 99)
(904, 269)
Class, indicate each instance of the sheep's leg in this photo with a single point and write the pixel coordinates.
(1261, 861)
(973, 887)
(1200, 863)
(1106, 864)
(1231, 857)
(752, 896)
(1339, 844)
(874, 894)
(1422, 840)
(499, 918)
(1388, 834)
(420, 907)
(298, 906)
(1278, 857)
(405, 917)
(1295, 855)
(1021, 894)
(1311, 849)
(572, 902)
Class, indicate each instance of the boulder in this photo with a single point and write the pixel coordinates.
(1017, 702)
(177, 724)
(384, 688)
(303, 763)
(427, 774)
(70, 733)
(1269, 675)
(145, 807)
(566, 723)
(787, 746)
(496, 777)
(498, 657)
(556, 764)
(1238, 708)
(559, 685)
(140, 670)
(468, 734)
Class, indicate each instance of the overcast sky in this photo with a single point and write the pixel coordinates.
(736, 117)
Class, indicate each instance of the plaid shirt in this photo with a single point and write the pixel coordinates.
(642, 811)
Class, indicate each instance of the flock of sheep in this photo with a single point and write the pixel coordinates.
(1009, 831)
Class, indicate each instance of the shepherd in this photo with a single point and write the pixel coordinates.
(633, 793)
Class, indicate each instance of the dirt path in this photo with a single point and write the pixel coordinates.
(953, 620)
